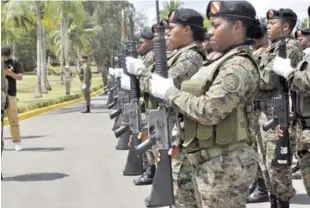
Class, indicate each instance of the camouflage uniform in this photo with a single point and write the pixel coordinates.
(278, 178)
(182, 64)
(221, 167)
(85, 77)
(299, 81)
(148, 60)
(254, 115)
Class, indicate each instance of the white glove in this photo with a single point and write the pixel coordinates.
(159, 86)
(133, 64)
(282, 67)
(125, 82)
(111, 71)
(83, 86)
(118, 72)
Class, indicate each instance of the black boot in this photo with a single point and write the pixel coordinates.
(283, 204)
(273, 201)
(87, 110)
(147, 177)
(260, 194)
(297, 175)
(252, 187)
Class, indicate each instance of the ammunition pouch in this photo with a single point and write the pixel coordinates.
(204, 155)
(304, 123)
(262, 104)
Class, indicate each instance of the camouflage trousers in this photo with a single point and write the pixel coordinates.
(150, 156)
(254, 129)
(86, 95)
(278, 179)
(303, 152)
(220, 182)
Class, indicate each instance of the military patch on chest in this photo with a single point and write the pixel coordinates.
(231, 82)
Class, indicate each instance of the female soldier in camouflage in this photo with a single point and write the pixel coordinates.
(213, 103)
(185, 56)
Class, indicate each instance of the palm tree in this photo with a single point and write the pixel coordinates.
(16, 18)
(168, 6)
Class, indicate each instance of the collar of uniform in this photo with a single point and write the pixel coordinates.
(186, 45)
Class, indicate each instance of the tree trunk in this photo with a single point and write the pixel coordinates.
(66, 43)
(38, 92)
(62, 49)
(46, 85)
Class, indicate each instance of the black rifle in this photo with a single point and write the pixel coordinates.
(281, 113)
(111, 88)
(134, 164)
(160, 131)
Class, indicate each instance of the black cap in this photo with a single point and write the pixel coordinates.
(239, 9)
(84, 56)
(304, 31)
(186, 17)
(147, 34)
(6, 51)
(287, 14)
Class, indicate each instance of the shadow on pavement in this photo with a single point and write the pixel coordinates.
(40, 149)
(36, 177)
(27, 137)
(300, 199)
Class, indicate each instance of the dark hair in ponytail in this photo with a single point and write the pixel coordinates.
(198, 33)
(254, 29)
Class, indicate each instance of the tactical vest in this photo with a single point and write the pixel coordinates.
(173, 58)
(232, 129)
(303, 101)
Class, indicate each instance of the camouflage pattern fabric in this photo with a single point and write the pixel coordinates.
(303, 151)
(278, 179)
(85, 77)
(300, 80)
(222, 181)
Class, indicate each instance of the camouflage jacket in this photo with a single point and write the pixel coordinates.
(182, 64)
(299, 80)
(148, 59)
(85, 74)
(269, 80)
(236, 83)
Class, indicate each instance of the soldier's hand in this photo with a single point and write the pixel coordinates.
(130, 141)
(143, 135)
(278, 131)
(173, 152)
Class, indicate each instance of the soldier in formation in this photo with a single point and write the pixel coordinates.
(185, 56)
(85, 78)
(222, 103)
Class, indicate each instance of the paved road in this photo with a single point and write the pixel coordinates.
(69, 161)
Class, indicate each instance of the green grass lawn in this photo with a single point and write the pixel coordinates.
(26, 89)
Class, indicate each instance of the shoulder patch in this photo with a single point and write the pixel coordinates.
(231, 82)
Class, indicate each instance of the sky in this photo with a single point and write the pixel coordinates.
(299, 6)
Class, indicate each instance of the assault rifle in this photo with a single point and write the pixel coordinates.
(160, 131)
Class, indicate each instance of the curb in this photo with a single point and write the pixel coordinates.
(39, 111)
